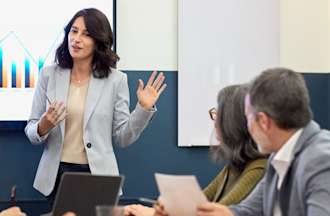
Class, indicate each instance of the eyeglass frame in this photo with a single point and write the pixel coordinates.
(213, 113)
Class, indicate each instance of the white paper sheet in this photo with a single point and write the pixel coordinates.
(180, 194)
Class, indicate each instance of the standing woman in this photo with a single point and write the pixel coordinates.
(82, 102)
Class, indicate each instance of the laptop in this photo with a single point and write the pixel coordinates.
(82, 192)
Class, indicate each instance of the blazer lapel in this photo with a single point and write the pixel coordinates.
(271, 191)
(284, 196)
(285, 191)
(94, 92)
(62, 82)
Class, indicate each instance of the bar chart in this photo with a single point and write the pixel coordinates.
(20, 70)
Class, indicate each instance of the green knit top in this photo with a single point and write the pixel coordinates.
(231, 187)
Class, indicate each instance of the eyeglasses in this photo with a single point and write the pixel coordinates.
(213, 113)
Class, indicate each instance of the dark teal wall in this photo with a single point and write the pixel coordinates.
(319, 90)
(155, 151)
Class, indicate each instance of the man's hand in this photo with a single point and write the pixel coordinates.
(213, 209)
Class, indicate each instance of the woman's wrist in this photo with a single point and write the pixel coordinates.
(146, 107)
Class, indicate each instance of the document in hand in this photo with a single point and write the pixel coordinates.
(180, 195)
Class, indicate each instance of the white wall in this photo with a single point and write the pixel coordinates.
(305, 35)
(147, 34)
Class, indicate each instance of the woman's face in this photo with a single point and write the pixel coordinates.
(81, 45)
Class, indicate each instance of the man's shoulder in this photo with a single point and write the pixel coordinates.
(313, 141)
(318, 144)
(316, 152)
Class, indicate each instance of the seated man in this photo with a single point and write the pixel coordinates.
(244, 167)
(297, 178)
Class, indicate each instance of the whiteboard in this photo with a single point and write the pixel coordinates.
(220, 42)
(147, 35)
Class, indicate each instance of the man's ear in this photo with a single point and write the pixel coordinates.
(264, 121)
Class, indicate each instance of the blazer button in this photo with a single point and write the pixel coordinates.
(89, 145)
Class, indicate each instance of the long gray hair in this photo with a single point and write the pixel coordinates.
(237, 146)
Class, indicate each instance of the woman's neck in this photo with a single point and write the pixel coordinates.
(81, 72)
(82, 69)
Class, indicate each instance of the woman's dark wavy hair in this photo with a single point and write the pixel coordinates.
(99, 29)
(237, 146)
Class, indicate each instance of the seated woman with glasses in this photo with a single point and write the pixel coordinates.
(244, 165)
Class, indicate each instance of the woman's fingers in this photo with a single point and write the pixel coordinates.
(159, 81)
(162, 89)
(155, 83)
(61, 110)
(140, 85)
(56, 113)
(51, 108)
(61, 117)
(151, 78)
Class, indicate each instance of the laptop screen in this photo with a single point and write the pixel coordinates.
(82, 192)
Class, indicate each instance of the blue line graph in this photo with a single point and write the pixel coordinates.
(42, 59)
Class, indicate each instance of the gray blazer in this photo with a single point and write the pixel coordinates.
(106, 116)
(306, 187)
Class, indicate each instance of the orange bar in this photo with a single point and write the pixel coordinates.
(32, 81)
(4, 78)
(18, 79)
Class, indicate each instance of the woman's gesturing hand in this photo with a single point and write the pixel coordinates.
(148, 95)
(52, 117)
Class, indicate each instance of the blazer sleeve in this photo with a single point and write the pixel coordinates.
(316, 181)
(253, 204)
(38, 108)
(126, 127)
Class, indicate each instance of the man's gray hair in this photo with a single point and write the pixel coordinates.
(281, 93)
